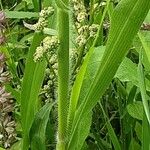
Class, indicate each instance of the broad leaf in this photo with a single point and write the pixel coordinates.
(127, 72)
(136, 110)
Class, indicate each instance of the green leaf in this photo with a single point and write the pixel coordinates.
(90, 74)
(20, 14)
(134, 145)
(16, 146)
(47, 31)
(127, 72)
(37, 132)
(83, 130)
(126, 20)
(10, 62)
(136, 110)
(28, 1)
(37, 5)
(145, 47)
(143, 88)
(111, 131)
(145, 133)
(138, 130)
(81, 86)
(14, 92)
(32, 81)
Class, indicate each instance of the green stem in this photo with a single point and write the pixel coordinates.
(63, 75)
(1, 5)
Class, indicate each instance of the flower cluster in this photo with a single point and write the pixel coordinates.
(4, 74)
(82, 35)
(2, 19)
(42, 22)
(93, 30)
(49, 44)
(80, 13)
(73, 61)
(50, 87)
(85, 32)
(7, 124)
(2, 27)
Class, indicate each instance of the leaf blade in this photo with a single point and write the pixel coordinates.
(32, 81)
(37, 132)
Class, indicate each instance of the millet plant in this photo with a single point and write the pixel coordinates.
(74, 75)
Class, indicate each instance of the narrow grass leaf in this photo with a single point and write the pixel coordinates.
(37, 5)
(145, 133)
(145, 47)
(38, 129)
(15, 93)
(111, 131)
(32, 81)
(143, 89)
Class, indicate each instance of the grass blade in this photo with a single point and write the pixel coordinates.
(32, 81)
(145, 47)
(145, 133)
(111, 131)
(37, 5)
(143, 89)
(37, 132)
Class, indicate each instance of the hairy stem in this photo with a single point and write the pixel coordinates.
(63, 74)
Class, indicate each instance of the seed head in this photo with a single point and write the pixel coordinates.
(39, 53)
(49, 44)
(81, 16)
(2, 17)
(2, 58)
(81, 40)
(93, 30)
(42, 22)
(2, 39)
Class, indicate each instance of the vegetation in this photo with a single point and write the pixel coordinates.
(74, 75)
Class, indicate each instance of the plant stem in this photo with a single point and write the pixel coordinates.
(63, 75)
